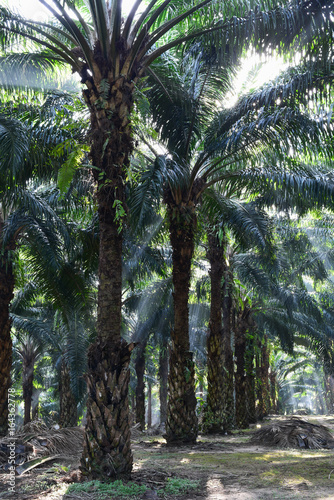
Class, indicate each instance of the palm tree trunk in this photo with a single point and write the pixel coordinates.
(68, 406)
(214, 417)
(241, 419)
(140, 388)
(35, 403)
(227, 387)
(262, 376)
(149, 405)
(329, 392)
(265, 376)
(28, 378)
(181, 424)
(260, 411)
(273, 391)
(250, 379)
(6, 295)
(163, 378)
(107, 451)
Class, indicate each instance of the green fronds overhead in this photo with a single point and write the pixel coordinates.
(81, 29)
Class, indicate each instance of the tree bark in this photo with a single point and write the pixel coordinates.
(140, 388)
(227, 387)
(250, 379)
(273, 391)
(260, 411)
(35, 403)
(68, 416)
(149, 405)
(163, 378)
(265, 376)
(107, 438)
(214, 417)
(27, 385)
(329, 392)
(262, 376)
(107, 451)
(241, 415)
(6, 295)
(181, 424)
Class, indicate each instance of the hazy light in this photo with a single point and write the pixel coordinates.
(33, 9)
(253, 73)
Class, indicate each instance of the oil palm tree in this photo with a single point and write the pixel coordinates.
(206, 147)
(111, 56)
(27, 136)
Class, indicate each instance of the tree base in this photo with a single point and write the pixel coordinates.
(107, 453)
(182, 423)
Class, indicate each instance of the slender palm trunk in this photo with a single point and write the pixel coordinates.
(260, 410)
(107, 451)
(214, 418)
(27, 385)
(68, 416)
(265, 376)
(329, 392)
(262, 379)
(273, 391)
(250, 379)
(35, 403)
(6, 295)
(149, 405)
(227, 387)
(163, 378)
(181, 424)
(241, 416)
(140, 388)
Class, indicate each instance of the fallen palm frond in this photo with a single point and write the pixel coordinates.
(34, 441)
(294, 433)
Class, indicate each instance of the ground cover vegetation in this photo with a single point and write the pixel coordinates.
(151, 214)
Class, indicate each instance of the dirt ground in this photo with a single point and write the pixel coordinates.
(226, 467)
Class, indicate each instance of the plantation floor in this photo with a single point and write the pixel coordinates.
(217, 468)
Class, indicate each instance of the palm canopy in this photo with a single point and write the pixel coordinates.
(82, 32)
(284, 302)
(233, 148)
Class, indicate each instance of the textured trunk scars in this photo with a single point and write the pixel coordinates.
(181, 424)
(6, 295)
(68, 406)
(329, 392)
(28, 378)
(241, 413)
(163, 379)
(227, 388)
(273, 391)
(262, 379)
(107, 444)
(107, 451)
(213, 418)
(250, 379)
(265, 376)
(111, 145)
(140, 388)
(149, 405)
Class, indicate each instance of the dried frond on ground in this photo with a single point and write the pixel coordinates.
(35, 440)
(294, 433)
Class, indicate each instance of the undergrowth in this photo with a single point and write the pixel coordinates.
(118, 489)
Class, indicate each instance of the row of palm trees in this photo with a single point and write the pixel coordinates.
(202, 149)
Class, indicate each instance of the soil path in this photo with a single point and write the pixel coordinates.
(225, 467)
